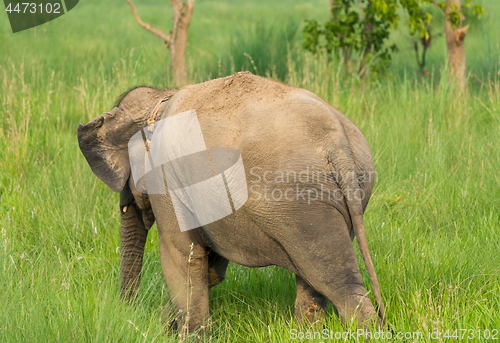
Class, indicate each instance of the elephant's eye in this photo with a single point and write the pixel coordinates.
(113, 112)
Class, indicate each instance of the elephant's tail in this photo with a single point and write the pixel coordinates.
(342, 165)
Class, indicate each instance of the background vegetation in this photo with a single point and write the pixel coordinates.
(433, 222)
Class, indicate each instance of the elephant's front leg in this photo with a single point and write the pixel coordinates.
(132, 241)
(185, 267)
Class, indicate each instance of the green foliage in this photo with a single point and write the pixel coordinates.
(358, 30)
(361, 28)
(454, 15)
(418, 20)
(312, 32)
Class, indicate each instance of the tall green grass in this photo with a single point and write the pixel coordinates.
(433, 221)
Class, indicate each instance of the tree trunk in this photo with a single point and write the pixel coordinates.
(178, 42)
(455, 40)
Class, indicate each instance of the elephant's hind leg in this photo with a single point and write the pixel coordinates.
(324, 256)
(310, 306)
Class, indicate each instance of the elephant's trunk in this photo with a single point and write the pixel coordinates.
(132, 241)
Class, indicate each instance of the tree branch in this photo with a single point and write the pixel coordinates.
(148, 27)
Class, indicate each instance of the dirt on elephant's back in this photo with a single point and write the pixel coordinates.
(225, 95)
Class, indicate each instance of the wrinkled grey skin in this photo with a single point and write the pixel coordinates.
(275, 128)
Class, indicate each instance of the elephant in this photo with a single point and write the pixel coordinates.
(309, 175)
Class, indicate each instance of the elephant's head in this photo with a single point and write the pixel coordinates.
(104, 140)
(104, 143)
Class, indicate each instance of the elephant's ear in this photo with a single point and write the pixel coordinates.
(104, 142)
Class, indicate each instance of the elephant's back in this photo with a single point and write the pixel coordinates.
(272, 124)
(228, 95)
(225, 106)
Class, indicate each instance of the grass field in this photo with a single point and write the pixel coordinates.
(433, 221)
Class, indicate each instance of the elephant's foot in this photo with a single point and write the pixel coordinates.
(310, 306)
(359, 309)
(193, 333)
(187, 327)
